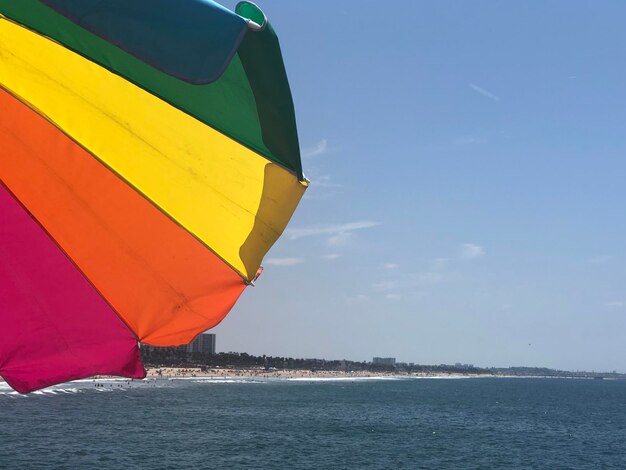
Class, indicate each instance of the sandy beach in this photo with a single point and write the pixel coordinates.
(229, 373)
(226, 374)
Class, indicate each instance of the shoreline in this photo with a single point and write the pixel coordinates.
(217, 373)
(291, 374)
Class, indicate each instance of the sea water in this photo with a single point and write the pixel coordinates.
(355, 424)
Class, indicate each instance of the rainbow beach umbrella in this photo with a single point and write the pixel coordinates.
(148, 161)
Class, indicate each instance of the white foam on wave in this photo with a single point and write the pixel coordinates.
(342, 379)
(442, 377)
(75, 386)
(113, 379)
(10, 393)
(227, 380)
(185, 378)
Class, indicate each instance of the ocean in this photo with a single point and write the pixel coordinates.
(308, 424)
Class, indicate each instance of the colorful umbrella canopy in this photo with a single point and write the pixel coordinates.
(148, 161)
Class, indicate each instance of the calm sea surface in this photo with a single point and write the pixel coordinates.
(366, 424)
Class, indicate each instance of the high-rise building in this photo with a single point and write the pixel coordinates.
(204, 343)
(384, 361)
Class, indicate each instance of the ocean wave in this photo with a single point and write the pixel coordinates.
(342, 379)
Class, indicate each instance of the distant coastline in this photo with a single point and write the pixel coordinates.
(177, 359)
(243, 374)
(176, 363)
(219, 373)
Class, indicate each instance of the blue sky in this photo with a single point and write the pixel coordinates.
(467, 167)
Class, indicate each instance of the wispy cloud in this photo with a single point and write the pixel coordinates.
(471, 251)
(470, 140)
(357, 299)
(484, 92)
(331, 256)
(615, 304)
(332, 230)
(339, 239)
(440, 263)
(393, 296)
(322, 186)
(383, 286)
(283, 261)
(318, 149)
(436, 272)
(429, 277)
(598, 259)
(324, 182)
(391, 266)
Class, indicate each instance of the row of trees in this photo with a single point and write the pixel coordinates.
(179, 357)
